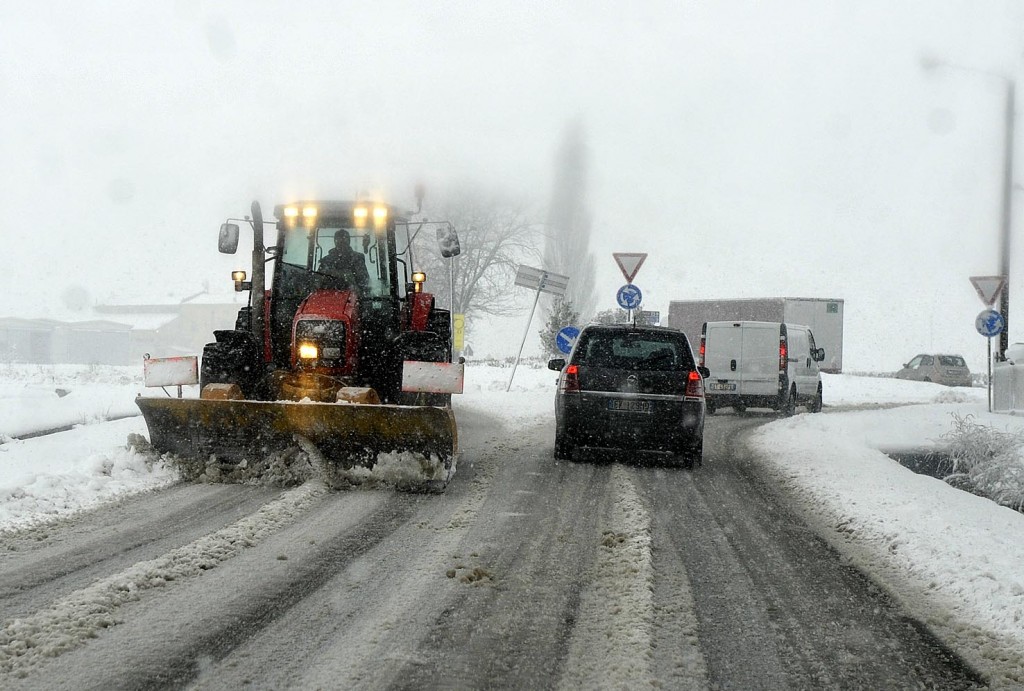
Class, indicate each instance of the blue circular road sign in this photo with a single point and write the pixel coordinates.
(990, 323)
(629, 297)
(566, 338)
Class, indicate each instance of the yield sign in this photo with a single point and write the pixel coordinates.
(988, 287)
(629, 263)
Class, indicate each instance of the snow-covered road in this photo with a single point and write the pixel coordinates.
(525, 572)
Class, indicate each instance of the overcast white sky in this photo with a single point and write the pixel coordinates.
(752, 148)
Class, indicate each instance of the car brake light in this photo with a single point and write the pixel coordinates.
(694, 385)
(571, 381)
(782, 354)
(703, 341)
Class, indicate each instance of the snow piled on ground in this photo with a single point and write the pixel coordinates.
(954, 558)
(63, 395)
(45, 478)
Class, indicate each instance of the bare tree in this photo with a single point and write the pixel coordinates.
(567, 232)
(496, 234)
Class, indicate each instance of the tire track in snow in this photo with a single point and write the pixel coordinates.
(611, 644)
(68, 623)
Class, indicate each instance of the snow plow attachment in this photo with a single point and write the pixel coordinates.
(412, 447)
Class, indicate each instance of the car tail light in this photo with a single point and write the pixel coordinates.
(571, 381)
(783, 354)
(694, 385)
(703, 342)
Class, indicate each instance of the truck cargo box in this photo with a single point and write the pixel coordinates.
(823, 315)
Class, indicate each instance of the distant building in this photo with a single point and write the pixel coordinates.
(120, 334)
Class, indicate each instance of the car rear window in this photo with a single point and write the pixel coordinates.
(951, 361)
(635, 350)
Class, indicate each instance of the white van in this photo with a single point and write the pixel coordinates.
(760, 365)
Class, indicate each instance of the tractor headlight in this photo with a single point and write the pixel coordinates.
(321, 340)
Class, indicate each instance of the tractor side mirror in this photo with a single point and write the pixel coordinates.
(448, 241)
(227, 243)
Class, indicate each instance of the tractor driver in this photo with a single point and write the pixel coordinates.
(345, 263)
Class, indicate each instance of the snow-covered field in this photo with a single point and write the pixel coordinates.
(938, 548)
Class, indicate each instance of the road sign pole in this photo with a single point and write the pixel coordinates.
(525, 334)
(989, 374)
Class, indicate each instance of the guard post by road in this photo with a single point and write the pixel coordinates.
(989, 322)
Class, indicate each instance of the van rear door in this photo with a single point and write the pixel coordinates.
(723, 347)
(759, 363)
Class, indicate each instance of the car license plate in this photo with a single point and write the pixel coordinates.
(629, 406)
(721, 386)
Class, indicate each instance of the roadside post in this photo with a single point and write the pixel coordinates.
(543, 282)
(989, 322)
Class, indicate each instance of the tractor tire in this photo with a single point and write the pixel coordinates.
(216, 366)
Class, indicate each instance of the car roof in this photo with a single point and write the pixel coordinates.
(631, 327)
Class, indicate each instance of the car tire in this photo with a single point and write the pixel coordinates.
(739, 408)
(709, 407)
(691, 454)
(563, 447)
(789, 405)
(817, 402)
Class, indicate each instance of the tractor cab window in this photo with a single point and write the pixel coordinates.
(356, 256)
(343, 257)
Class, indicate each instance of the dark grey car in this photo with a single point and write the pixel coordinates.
(630, 387)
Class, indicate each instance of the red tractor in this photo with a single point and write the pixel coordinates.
(343, 355)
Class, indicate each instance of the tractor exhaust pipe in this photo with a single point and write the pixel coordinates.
(259, 279)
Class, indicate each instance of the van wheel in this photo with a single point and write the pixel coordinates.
(816, 402)
(739, 408)
(789, 405)
(709, 407)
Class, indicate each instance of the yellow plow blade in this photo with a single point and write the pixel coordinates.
(354, 442)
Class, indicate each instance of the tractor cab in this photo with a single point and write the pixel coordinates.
(340, 302)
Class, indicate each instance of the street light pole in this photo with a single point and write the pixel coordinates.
(1006, 212)
(1006, 217)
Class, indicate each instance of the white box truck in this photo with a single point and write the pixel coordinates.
(823, 315)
